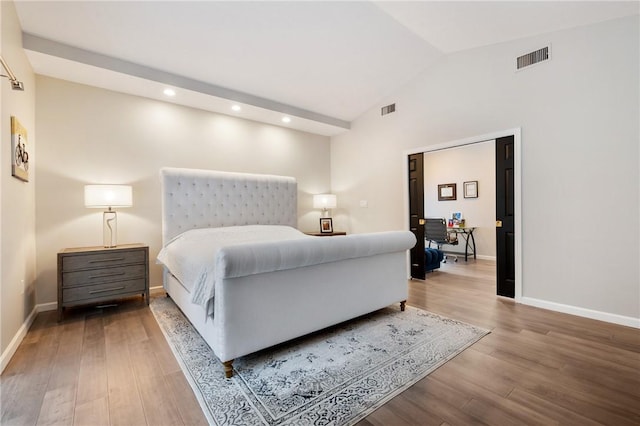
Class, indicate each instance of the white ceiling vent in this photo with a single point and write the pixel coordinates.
(388, 109)
(532, 58)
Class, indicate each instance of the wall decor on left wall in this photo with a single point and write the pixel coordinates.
(19, 154)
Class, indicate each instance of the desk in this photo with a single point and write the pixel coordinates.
(467, 233)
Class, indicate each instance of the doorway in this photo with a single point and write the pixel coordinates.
(508, 237)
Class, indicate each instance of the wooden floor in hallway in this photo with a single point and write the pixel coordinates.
(113, 366)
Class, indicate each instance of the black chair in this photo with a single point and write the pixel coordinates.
(435, 231)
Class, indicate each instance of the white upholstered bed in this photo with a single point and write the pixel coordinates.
(268, 282)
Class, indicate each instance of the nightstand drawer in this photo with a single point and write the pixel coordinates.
(103, 275)
(90, 275)
(103, 259)
(92, 292)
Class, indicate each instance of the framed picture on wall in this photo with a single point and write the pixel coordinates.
(19, 155)
(471, 189)
(447, 192)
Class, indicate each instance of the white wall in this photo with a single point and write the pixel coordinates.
(474, 162)
(91, 135)
(579, 115)
(17, 209)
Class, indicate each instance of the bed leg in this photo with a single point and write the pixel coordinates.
(228, 369)
(402, 305)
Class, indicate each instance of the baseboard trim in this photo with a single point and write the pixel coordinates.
(461, 256)
(485, 257)
(22, 332)
(44, 307)
(582, 312)
(17, 339)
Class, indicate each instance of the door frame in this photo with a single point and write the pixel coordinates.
(516, 132)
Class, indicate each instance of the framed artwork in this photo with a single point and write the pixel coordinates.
(471, 189)
(326, 225)
(19, 154)
(447, 192)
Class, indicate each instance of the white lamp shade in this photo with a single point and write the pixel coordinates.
(324, 201)
(105, 196)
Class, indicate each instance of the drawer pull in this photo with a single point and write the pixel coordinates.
(114, 274)
(106, 289)
(115, 259)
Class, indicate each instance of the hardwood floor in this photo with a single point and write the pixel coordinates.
(109, 366)
(113, 366)
(536, 366)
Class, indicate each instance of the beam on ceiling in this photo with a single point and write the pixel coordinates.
(53, 48)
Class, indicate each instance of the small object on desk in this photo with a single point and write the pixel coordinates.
(92, 275)
(326, 234)
(457, 220)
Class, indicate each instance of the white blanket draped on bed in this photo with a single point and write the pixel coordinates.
(191, 256)
(199, 257)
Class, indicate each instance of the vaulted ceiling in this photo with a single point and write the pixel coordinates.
(321, 63)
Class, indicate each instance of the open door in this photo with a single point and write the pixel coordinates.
(505, 213)
(416, 213)
(505, 223)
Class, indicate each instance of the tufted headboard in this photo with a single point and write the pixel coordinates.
(194, 198)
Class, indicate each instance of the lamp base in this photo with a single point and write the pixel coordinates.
(109, 228)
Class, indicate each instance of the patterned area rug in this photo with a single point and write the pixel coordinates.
(333, 377)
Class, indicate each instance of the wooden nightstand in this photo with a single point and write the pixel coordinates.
(326, 234)
(90, 275)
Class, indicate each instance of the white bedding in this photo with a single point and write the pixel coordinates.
(192, 257)
(199, 257)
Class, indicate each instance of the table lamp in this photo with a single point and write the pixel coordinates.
(324, 202)
(108, 197)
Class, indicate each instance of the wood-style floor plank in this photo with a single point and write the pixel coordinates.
(92, 378)
(125, 403)
(113, 366)
(58, 406)
(92, 413)
(182, 394)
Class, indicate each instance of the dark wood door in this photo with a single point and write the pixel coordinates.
(416, 213)
(505, 205)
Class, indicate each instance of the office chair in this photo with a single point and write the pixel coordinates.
(435, 230)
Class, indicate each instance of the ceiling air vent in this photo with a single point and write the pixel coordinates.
(532, 58)
(388, 109)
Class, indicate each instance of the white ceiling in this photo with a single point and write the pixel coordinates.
(322, 63)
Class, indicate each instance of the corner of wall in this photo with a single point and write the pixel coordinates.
(17, 198)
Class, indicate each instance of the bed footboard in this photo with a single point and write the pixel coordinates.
(250, 315)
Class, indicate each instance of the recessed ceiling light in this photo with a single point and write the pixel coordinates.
(236, 108)
(169, 92)
(286, 120)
